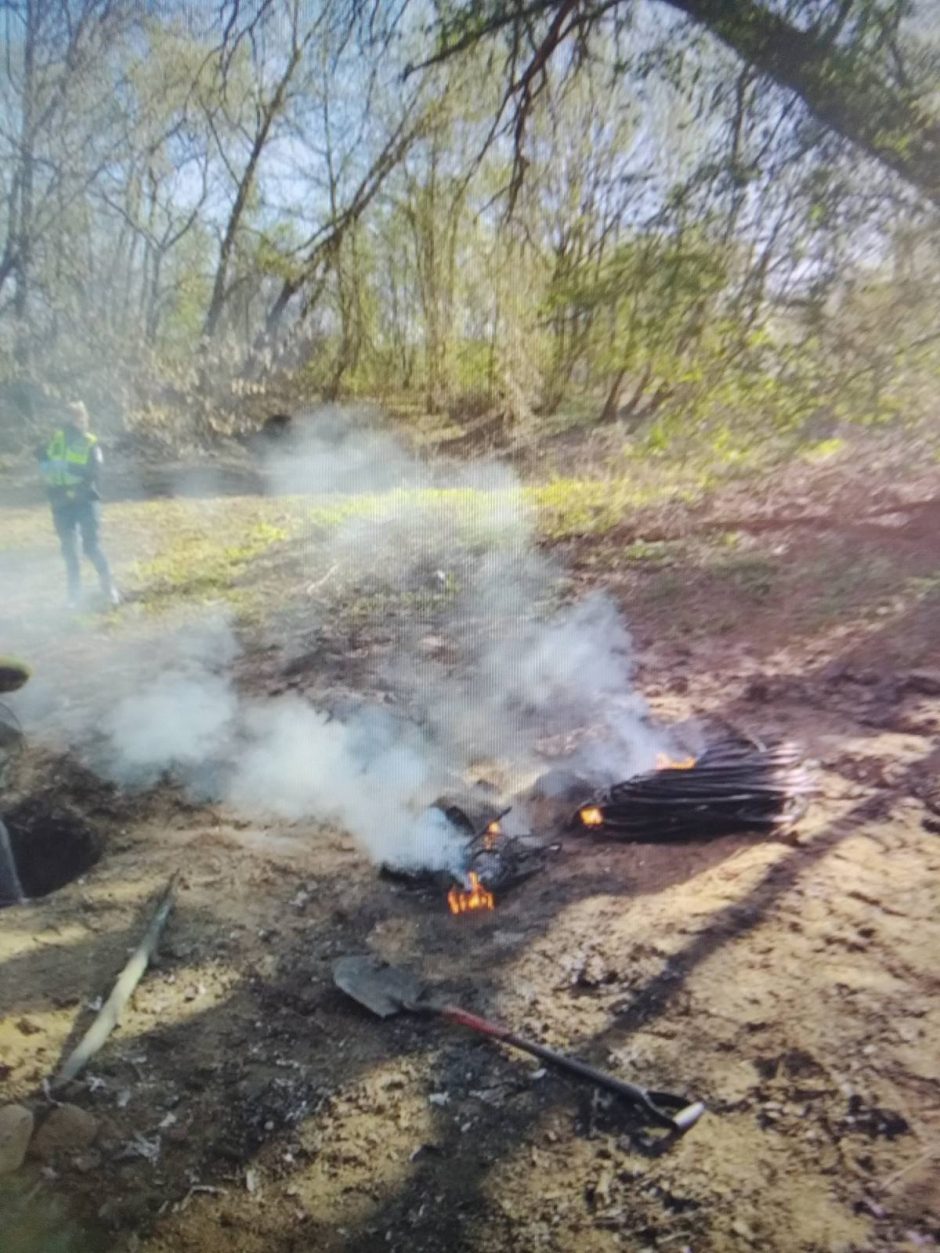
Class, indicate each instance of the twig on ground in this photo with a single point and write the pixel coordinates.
(197, 1188)
(932, 1151)
(312, 587)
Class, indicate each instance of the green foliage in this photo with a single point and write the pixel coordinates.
(823, 450)
(684, 258)
(204, 563)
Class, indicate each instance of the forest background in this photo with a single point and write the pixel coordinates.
(697, 224)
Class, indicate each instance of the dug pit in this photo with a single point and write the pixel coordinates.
(51, 846)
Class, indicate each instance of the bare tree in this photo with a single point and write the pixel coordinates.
(266, 106)
(55, 129)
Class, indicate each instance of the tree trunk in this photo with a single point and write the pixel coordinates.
(23, 247)
(612, 403)
(220, 282)
(152, 314)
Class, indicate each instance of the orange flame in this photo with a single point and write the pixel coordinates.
(591, 816)
(476, 898)
(665, 762)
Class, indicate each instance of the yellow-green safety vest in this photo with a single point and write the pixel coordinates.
(63, 458)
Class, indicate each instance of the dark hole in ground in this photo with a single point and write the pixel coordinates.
(51, 846)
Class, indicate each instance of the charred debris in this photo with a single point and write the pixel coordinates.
(735, 784)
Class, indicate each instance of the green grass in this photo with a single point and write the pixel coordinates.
(205, 565)
(823, 450)
(252, 552)
(566, 508)
(556, 510)
(173, 551)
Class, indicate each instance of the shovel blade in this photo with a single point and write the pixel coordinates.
(380, 988)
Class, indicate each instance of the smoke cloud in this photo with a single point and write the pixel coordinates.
(518, 674)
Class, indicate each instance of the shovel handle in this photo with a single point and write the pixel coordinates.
(686, 1115)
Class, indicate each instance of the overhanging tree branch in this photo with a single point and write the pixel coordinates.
(839, 85)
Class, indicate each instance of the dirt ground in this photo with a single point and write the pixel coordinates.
(791, 983)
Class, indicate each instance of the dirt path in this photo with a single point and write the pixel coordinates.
(790, 983)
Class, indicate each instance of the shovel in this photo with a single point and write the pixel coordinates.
(387, 991)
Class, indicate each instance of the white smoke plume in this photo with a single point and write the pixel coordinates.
(371, 772)
(179, 720)
(340, 450)
(550, 678)
(523, 676)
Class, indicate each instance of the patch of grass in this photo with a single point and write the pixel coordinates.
(567, 508)
(26, 529)
(924, 586)
(364, 610)
(468, 518)
(823, 450)
(652, 551)
(561, 509)
(206, 563)
(570, 507)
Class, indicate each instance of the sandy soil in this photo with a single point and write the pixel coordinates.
(791, 983)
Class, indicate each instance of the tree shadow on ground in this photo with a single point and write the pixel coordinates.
(258, 1063)
(297, 1016)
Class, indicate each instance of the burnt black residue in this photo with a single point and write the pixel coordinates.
(873, 1121)
(52, 845)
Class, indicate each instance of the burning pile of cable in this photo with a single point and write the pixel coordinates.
(735, 785)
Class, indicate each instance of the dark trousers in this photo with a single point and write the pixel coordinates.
(72, 518)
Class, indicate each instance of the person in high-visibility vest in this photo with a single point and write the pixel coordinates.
(70, 464)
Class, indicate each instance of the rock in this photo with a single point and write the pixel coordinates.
(68, 1129)
(16, 1129)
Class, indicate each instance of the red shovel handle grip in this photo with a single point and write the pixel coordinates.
(463, 1017)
